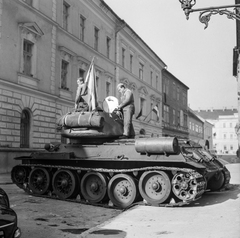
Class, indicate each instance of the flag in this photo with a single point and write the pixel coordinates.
(91, 87)
(155, 109)
(139, 114)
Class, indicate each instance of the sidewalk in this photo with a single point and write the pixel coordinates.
(215, 215)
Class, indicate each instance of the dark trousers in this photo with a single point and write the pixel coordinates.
(128, 113)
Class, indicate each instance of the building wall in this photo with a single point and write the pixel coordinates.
(196, 128)
(224, 135)
(208, 134)
(175, 106)
(41, 93)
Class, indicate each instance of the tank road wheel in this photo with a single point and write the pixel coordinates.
(122, 190)
(94, 187)
(155, 187)
(184, 186)
(19, 175)
(64, 184)
(216, 182)
(39, 181)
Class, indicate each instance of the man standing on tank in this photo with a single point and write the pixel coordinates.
(127, 105)
(80, 103)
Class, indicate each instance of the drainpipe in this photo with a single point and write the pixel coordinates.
(120, 24)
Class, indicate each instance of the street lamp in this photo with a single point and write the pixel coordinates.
(206, 13)
(232, 12)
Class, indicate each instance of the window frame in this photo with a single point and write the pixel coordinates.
(25, 127)
(108, 46)
(96, 38)
(82, 27)
(65, 15)
(65, 74)
(141, 70)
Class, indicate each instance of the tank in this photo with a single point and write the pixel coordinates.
(96, 167)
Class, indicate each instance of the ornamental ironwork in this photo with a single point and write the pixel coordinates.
(231, 11)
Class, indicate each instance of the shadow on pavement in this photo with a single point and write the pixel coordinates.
(107, 233)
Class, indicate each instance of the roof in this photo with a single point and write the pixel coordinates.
(171, 75)
(215, 113)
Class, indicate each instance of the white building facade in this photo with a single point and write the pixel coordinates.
(224, 134)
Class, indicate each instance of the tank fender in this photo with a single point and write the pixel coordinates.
(158, 145)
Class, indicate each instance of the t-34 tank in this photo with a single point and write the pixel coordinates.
(98, 168)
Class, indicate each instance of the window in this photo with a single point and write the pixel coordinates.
(82, 27)
(30, 33)
(81, 73)
(65, 15)
(131, 63)
(123, 57)
(178, 93)
(108, 86)
(96, 36)
(141, 71)
(185, 120)
(142, 105)
(108, 47)
(196, 128)
(157, 82)
(166, 113)
(64, 74)
(224, 136)
(166, 86)
(178, 118)
(174, 91)
(151, 78)
(174, 117)
(27, 57)
(184, 98)
(224, 125)
(24, 129)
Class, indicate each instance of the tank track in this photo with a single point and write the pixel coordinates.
(199, 180)
(227, 177)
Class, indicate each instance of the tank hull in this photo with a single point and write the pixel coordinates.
(119, 173)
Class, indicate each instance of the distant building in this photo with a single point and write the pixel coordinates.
(224, 135)
(175, 106)
(207, 133)
(195, 127)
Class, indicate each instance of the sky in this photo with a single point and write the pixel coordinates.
(200, 58)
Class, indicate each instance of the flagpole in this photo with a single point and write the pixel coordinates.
(147, 115)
